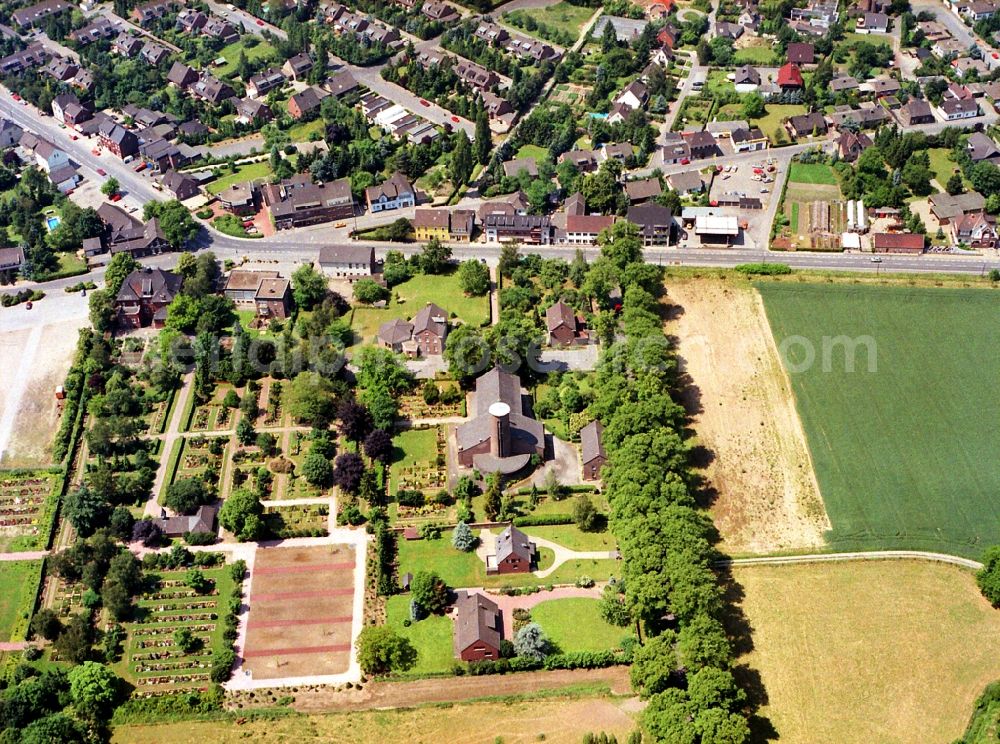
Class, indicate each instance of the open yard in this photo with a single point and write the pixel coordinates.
(28, 502)
(814, 207)
(563, 16)
(775, 114)
(18, 587)
(902, 440)
(763, 492)
(431, 637)
(411, 295)
(942, 166)
(557, 720)
(301, 612)
(246, 172)
(852, 653)
(231, 53)
(812, 173)
(575, 624)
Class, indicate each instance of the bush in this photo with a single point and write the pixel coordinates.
(406, 497)
(764, 269)
(199, 538)
(584, 582)
(538, 520)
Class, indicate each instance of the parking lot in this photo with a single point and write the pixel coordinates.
(742, 179)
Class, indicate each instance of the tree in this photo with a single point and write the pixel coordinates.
(474, 277)
(484, 142)
(654, 664)
(429, 591)
(186, 641)
(119, 267)
(309, 287)
(463, 539)
(368, 291)
(348, 469)
(434, 257)
(492, 500)
(461, 159)
(715, 688)
(955, 184)
(510, 259)
(147, 532)
(703, 642)
(179, 227)
(240, 514)
(585, 514)
(197, 580)
(94, 689)
(668, 716)
(245, 432)
(988, 577)
(612, 606)
(378, 445)
(86, 510)
(186, 495)
(73, 644)
(46, 624)
(110, 186)
(355, 420)
(317, 470)
(381, 651)
(753, 106)
(101, 304)
(57, 727)
(310, 398)
(531, 643)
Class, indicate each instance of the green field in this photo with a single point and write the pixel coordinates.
(575, 624)
(412, 448)
(942, 166)
(231, 53)
(18, 587)
(903, 447)
(812, 173)
(755, 55)
(431, 637)
(774, 115)
(248, 172)
(412, 295)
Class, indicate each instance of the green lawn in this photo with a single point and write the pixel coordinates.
(232, 55)
(456, 568)
(755, 55)
(304, 132)
(942, 166)
(431, 637)
(572, 537)
(575, 624)
(247, 172)
(414, 294)
(812, 173)
(411, 447)
(18, 586)
(532, 151)
(564, 16)
(904, 450)
(775, 114)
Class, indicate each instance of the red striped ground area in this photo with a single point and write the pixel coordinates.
(301, 605)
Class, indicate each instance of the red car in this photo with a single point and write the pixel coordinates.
(74, 137)
(686, 161)
(116, 197)
(16, 97)
(455, 119)
(101, 172)
(96, 152)
(424, 103)
(260, 22)
(140, 168)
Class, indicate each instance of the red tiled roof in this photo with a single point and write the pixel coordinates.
(789, 75)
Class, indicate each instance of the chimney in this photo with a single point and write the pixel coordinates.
(500, 434)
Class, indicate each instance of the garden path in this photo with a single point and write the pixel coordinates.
(170, 436)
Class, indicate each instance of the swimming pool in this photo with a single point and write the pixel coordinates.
(52, 221)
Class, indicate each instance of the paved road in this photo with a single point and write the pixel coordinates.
(246, 21)
(875, 555)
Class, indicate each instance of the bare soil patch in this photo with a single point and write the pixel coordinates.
(765, 494)
(301, 602)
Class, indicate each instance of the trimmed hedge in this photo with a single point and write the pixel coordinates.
(763, 269)
(539, 520)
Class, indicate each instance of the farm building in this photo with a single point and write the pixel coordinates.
(898, 243)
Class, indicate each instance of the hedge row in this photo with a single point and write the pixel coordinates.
(538, 520)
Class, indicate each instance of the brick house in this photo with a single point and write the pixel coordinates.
(144, 297)
(478, 627)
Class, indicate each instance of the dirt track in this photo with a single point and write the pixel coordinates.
(379, 695)
(766, 498)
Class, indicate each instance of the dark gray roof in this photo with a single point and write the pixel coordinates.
(477, 619)
(591, 445)
(513, 542)
(560, 314)
(395, 331)
(346, 253)
(431, 318)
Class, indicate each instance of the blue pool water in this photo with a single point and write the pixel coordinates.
(594, 115)
(52, 222)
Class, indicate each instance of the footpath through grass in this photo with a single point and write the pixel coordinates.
(903, 445)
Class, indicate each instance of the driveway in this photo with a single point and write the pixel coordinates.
(578, 358)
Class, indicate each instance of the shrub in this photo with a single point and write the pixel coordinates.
(199, 538)
(584, 582)
(764, 269)
(537, 520)
(406, 497)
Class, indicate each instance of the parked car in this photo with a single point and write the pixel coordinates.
(101, 172)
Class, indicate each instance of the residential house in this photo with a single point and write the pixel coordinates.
(273, 299)
(564, 326)
(59, 104)
(223, 30)
(37, 14)
(11, 260)
(396, 335)
(144, 297)
(843, 84)
(240, 198)
(513, 168)
(702, 144)
(34, 56)
(620, 151)
(583, 229)
(675, 149)
(209, 88)
(125, 234)
(850, 144)
(947, 208)
(688, 182)
(298, 67)
(981, 148)
(478, 627)
(967, 67)
(306, 102)
(476, 75)
(264, 82)
(351, 261)
(396, 192)
(957, 110)
(430, 329)
(151, 11)
(655, 223)
(241, 286)
(182, 76)
(10, 133)
(727, 30)
(126, 45)
(585, 161)
(976, 230)
(634, 95)
(438, 11)
(98, 29)
(297, 201)
(61, 69)
(883, 87)
(47, 156)
(430, 224)
(806, 125)
(249, 110)
(801, 53)
(642, 190)
(119, 140)
(461, 226)
(491, 33)
(341, 83)
(747, 79)
(790, 77)
(154, 54)
(916, 111)
(517, 228)
(515, 553)
(592, 452)
(872, 23)
(749, 140)
(181, 185)
(203, 520)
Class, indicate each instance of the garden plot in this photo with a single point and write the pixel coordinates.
(415, 405)
(153, 659)
(815, 209)
(213, 415)
(301, 612)
(27, 505)
(198, 457)
(418, 472)
(18, 587)
(273, 413)
(297, 520)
